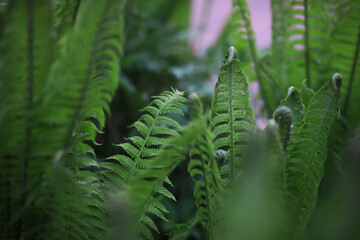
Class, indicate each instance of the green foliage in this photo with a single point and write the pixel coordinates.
(154, 126)
(60, 68)
(306, 156)
(181, 231)
(143, 192)
(231, 118)
(47, 102)
(204, 171)
(243, 38)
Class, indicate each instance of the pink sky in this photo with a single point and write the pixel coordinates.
(218, 12)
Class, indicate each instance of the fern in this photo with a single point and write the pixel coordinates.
(255, 202)
(208, 189)
(181, 231)
(55, 101)
(154, 126)
(305, 157)
(25, 39)
(231, 117)
(145, 190)
(284, 117)
(280, 36)
(344, 44)
(290, 116)
(306, 93)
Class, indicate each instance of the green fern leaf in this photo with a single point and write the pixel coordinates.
(232, 119)
(154, 126)
(123, 171)
(306, 156)
(50, 101)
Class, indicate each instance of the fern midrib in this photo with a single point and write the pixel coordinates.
(232, 147)
(30, 52)
(352, 74)
(313, 148)
(146, 139)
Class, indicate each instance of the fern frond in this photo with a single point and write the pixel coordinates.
(257, 191)
(232, 119)
(205, 173)
(154, 126)
(345, 46)
(123, 171)
(65, 15)
(305, 157)
(62, 210)
(181, 231)
(280, 35)
(145, 190)
(48, 106)
(26, 57)
(244, 39)
(203, 169)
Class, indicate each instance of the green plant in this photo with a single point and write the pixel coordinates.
(56, 84)
(60, 63)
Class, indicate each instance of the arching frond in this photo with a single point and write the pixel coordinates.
(154, 126)
(158, 122)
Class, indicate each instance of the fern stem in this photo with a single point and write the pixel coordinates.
(232, 147)
(254, 57)
(352, 75)
(30, 53)
(307, 49)
(147, 137)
